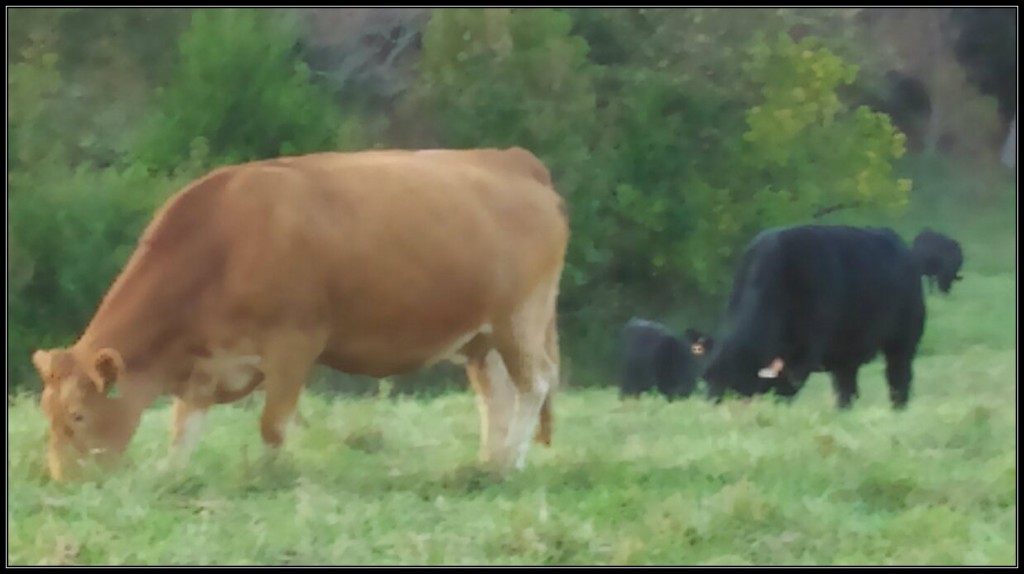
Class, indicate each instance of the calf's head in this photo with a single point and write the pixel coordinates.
(700, 343)
(86, 423)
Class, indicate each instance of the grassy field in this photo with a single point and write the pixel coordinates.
(377, 481)
(392, 481)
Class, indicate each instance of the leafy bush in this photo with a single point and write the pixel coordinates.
(70, 234)
(698, 176)
(501, 77)
(33, 86)
(241, 88)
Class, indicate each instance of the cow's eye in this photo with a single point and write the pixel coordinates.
(77, 417)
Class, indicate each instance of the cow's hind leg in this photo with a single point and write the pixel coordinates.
(522, 342)
(844, 383)
(544, 429)
(532, 378)
(495, 398)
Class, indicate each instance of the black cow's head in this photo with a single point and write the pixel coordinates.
(940, 258)
(747, 357)
(946, 278)
(741, 367)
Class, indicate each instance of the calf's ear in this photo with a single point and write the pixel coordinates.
(109, 367)
(43, 362)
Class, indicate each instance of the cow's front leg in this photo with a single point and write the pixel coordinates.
(844, 382)
(286, 363)
(187, 420)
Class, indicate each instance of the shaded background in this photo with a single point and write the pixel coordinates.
(674, 134)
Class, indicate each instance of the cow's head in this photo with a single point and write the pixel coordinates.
(700, 344)
(742, 368)
(85, 422)
(945, 281)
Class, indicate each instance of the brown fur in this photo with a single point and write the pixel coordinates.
(371, 263)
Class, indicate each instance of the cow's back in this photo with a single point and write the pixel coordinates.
(858, 287)
(393, 251)
(395, 256)
(855, 286)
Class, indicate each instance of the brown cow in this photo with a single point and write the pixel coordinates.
(372, 263)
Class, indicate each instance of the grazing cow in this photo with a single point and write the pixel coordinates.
(819, 298)
(652, 357)
(372, 263)
(939, 257)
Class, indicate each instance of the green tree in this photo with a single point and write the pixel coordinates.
(502, 77)
(34, 85)
(240, 87)
(703, 158)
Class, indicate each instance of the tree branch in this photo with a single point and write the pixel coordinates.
(821, 212)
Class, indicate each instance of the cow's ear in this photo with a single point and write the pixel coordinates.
(709, 343)
(43, 362)
(109, 367)
(691, 335)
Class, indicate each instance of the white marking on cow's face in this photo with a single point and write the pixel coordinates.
(452, 354)
(773, 370)
(697, 349)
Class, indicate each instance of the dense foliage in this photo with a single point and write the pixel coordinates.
(675, 135)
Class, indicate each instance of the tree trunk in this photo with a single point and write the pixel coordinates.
(938, 75)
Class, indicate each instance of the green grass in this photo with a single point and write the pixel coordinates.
(393, 481)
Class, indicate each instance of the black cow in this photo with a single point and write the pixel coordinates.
(939, 257)
(651, 356)
(819, 299)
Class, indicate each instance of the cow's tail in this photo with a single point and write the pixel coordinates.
(544, 427)
(543, 435)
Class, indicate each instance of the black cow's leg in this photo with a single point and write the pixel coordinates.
(899, 372)
(844, 383)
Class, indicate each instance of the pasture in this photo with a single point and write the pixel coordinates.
(390, 481)
(382, 480)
